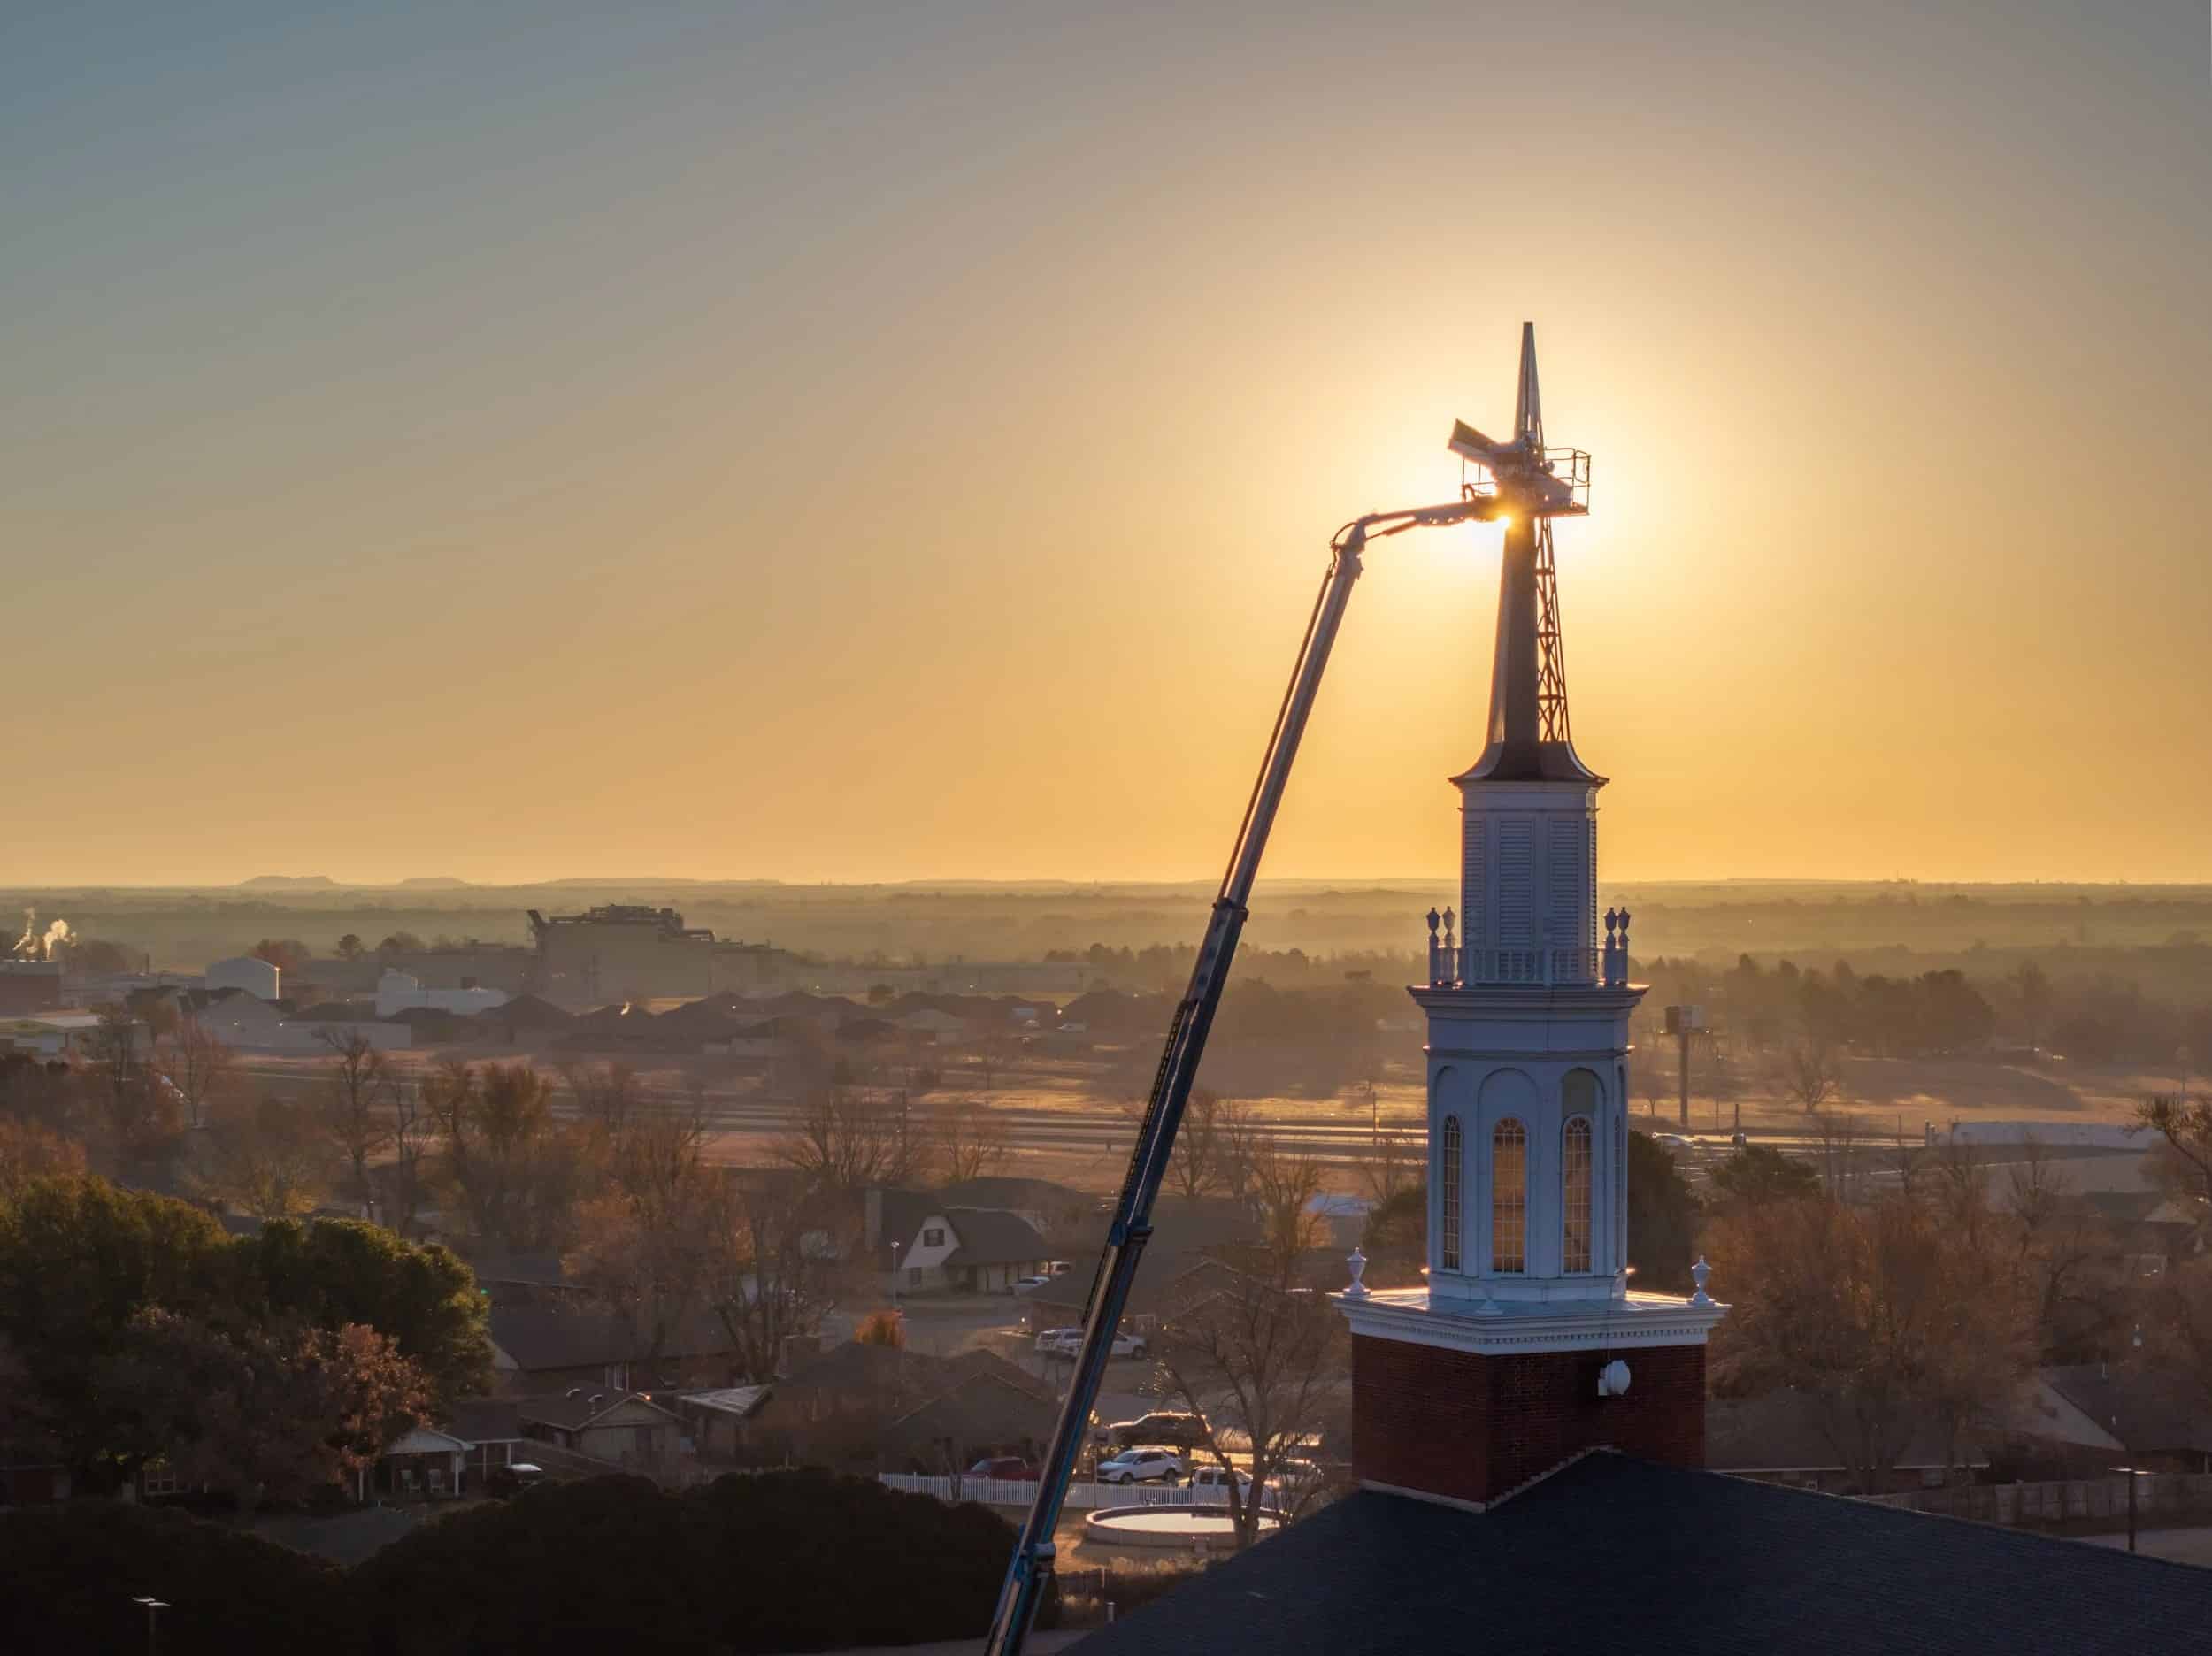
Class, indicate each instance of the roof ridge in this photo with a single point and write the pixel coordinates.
(1551, 1471)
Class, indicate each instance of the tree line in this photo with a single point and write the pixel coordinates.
(748, 1564)
(133, 1328)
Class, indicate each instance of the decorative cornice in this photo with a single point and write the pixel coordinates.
(1641, 1320)
(1595, 999)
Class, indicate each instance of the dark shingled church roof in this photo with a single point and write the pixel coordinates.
(1616, 1555)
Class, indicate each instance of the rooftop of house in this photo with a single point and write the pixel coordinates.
(2147, 1411)
(1611, 1553)
(539, 1339)
(573, 1414)
(485, 1420)
(1783, 1431)
(991, 1236)
(735, 1401)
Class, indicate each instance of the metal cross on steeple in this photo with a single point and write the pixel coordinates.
(1530, 735)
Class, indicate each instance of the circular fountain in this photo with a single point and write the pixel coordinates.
(1168, 1528)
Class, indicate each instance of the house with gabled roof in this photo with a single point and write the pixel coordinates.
(971, 1249)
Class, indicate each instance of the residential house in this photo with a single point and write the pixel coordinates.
(971, 1249)
(859, 1405)
(1782, 1439)
(537, 1350)
(979, 1413)
(627, 1429)
(492, 1428)
(721, 1422)
(419, 1465)
(2090, 1417)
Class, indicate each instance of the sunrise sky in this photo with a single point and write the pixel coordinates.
(842, 442)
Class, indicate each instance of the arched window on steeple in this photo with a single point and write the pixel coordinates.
(1574, 1175)
(1508, 1197)
(1451, 1173)
(1577, 1170)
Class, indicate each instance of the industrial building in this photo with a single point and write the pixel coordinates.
(629, 952)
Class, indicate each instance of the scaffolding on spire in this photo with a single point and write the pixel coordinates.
(1530, 730)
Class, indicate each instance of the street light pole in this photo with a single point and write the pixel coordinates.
(154, 1607)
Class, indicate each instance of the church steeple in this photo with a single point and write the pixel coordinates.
(1526, 1343)
(1528, 888)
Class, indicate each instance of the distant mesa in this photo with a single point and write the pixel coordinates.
(433, 882)
(287, 882)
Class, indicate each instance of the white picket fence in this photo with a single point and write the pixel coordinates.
(1081, 1497)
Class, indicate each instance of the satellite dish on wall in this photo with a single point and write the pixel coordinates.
(1613, 1379)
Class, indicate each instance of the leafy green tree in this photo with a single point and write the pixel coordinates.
(275, 1411)
(68, 1575)
(744, 1565)
(79, 1258)
(340, 1271)
(1663, 1215)
(1758, 1174)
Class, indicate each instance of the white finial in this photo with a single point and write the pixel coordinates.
(1699, 1272)
(1357, 1261)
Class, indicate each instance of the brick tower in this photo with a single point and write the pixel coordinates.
(1527, 1345)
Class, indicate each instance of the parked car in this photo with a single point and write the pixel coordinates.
(1066, 1342)
(1023, 1284)
(1142, 1466)
(1674, 1143)
(1009, 1467)
(1161, 1426)
(511, 1479)
(1214, 1477)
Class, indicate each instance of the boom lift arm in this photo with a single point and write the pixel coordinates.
(1187, 1033)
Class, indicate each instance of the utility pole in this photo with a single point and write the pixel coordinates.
(1683, 1021)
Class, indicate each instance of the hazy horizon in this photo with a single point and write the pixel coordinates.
(900, 442)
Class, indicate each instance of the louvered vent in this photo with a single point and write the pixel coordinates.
(1565, 869)
(1517, 884)
(1474, 885)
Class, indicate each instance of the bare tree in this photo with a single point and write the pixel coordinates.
(267, 1157)
(1811, 1072)
(195, 1063)
(359, 1082)
(1237, 1137)
(1842, 1153)
(135, 1105)
(2185, 1124)
(646, 1260)
(1253, 1349)
(1193, 1167)
(414, 1135)
(768, 1266)
(1283, 1186)
(848, 1138)
(605, 1093)
(969, 1139)
(1876, 1314)
(1395, 1164)
(518, 1177)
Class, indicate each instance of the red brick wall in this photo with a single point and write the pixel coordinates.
(1472, 1427)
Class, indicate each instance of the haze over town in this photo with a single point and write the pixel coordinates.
(642, 637)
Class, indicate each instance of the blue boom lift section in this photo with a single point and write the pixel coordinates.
(1032, 1568)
